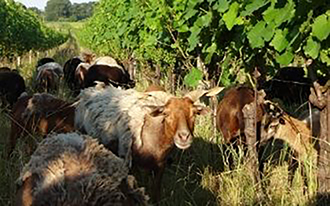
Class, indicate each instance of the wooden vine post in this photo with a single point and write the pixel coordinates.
(250, 131)
(320, 97)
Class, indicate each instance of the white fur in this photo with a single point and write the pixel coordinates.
(113, 114)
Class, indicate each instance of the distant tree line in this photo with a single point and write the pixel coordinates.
(60, 10)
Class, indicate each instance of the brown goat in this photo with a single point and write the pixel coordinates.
(41, 113)
(144, 127)
(294, 132)
(229, 118)
(80, 74)
(154, 87)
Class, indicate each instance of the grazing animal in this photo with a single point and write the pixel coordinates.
(229, 117)
(48, 77)
(69, 70)
(143, 127)
(294, 132)
(154, 87)
(107, 60)
(80, 73)
(44, 61)
(12, 85)
(289, 85)
(41, 113)
(72, 169)
(109, 75)
(5, 69)
(312, 120)
(130, 66)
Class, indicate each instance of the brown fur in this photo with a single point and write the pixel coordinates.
(52, 115)
(12, 85)
(80, 74)
(229, 117)
(154, 87)
(174, 125)
(47, 81)
(146, 126)
(88, 57)
(69, 72)
(109, 75)
(292, 131)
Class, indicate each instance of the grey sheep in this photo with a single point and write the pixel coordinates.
(73, 169)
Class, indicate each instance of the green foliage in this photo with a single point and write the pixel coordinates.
(193, 77)
(320, 27)
(169, 32)
(312, 48)
(21, 31)
(55, 9)
(81, 11)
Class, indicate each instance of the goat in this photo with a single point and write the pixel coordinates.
(12, 85)
(154, 87)
(229, 117)
(289, 84)
(143, 127)
(72, 169)
(48, 77)
(107, 60)
(69, 70)
(5, 69)
(44, 60)
(312, 119)
(41, 113)
(287, 128)
(115, 76)
(80, 73)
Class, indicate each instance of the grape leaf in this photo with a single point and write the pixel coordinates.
(230, 16)
(221, 6)
(253, 6)
(285, 58)
(279, 41)
(321, 27)
(312, 48)
(255, 35)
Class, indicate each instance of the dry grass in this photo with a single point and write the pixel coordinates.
(208, 173)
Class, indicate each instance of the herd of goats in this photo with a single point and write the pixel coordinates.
(92, 144)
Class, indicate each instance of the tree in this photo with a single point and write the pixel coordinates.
(82, 11)
(56, 9)
(36, 10)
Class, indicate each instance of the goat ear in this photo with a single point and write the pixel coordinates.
(157, 110)
(201, 110)
(196, 94)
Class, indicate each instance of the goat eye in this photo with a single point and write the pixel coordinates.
(166, 113)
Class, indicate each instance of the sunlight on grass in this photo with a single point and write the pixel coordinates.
(208, 173)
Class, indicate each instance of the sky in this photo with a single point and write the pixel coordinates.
(40, 4)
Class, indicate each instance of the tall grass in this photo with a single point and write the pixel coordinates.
(208, 173)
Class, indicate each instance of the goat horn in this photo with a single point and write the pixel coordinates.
(196, 94)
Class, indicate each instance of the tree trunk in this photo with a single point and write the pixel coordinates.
(249, 111)
(320, 97)
(324, 155)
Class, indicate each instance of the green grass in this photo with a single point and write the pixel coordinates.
(208, 173)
